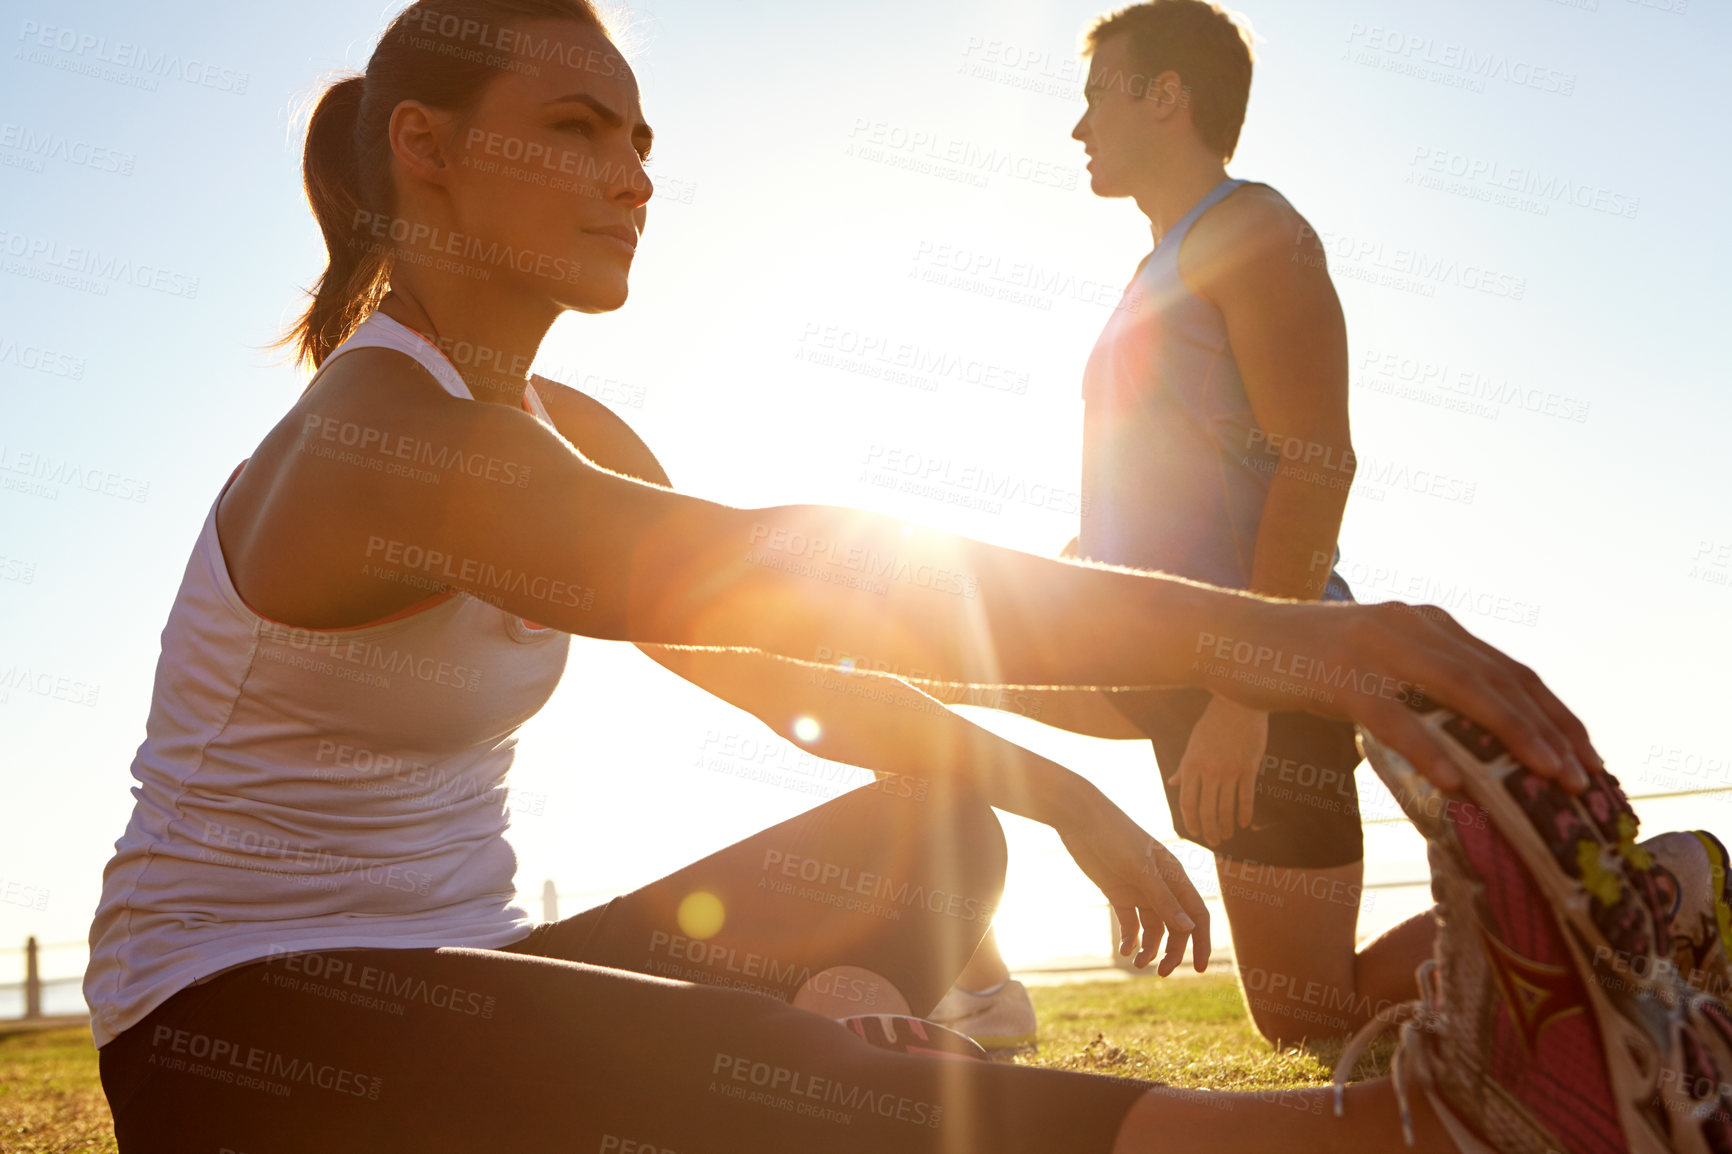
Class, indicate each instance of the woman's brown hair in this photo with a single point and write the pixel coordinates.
(439, 52)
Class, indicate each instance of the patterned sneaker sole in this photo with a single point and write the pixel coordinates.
(906, 1035)
(1581, 854)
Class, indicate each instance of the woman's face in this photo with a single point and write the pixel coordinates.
(544, 178)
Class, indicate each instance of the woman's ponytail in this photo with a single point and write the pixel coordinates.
(357, 272)
(429, 54)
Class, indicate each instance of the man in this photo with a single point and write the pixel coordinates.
(1216, 446)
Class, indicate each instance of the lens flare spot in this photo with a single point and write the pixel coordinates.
(701, 915)
(807, 730)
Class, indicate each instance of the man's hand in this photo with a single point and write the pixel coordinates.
(1144, 883)
(1218, 773)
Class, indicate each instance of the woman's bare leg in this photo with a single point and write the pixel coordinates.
(986, 968)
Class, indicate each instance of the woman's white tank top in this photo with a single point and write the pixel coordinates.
(318, 789)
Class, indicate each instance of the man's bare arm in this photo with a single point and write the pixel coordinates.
(1262, 265)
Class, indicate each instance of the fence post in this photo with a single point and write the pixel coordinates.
(549, 902)
(32, 981)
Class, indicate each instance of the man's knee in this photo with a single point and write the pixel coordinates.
(1279, 1030)
(1290, 1004)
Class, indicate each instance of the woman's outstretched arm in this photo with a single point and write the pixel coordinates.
(591, 552)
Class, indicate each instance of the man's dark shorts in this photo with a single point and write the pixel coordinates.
(1306, 812)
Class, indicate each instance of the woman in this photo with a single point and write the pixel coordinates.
(307, 940)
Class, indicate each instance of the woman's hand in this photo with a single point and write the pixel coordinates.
(1218, 773)
(1145, 885)
(1377, 664)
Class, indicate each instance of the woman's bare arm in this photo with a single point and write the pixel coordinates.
(885, 725)
(1088, 712)
(591, 552)
(596, 553)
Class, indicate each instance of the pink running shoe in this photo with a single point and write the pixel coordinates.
(1544, 1024)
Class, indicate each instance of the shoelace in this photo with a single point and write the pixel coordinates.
(1421, 1013)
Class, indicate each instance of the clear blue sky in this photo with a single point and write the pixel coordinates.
(1551, 467)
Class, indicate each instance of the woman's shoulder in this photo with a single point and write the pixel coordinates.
(370, 422)
(599, 433)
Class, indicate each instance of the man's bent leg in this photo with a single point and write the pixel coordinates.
(1294, 947)
(1384, 967)
(1293, 938)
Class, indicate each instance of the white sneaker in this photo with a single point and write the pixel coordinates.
(1000, 1021)
(1690, 872)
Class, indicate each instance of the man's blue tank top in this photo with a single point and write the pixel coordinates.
(1175, 466)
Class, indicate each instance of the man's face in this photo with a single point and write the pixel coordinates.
(1122, 131)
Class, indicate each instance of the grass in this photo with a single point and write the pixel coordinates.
(50, 1100)
(1189, 1032)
